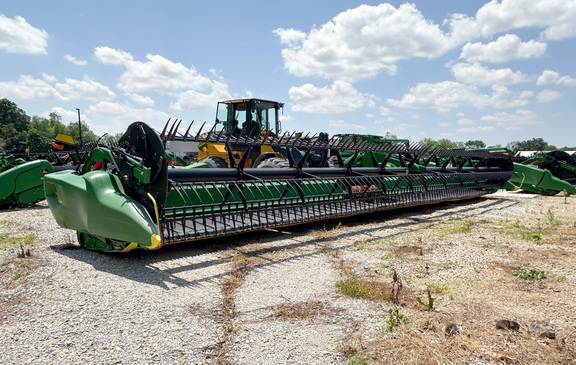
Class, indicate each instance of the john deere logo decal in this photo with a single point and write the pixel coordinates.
(44, 171)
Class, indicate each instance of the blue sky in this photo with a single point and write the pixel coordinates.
(497, 71)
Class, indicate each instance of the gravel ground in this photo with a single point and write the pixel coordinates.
(67, 305)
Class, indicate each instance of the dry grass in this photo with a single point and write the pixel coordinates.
(302, 311)
(474, 300)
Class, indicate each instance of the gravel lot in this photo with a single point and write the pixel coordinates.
(235, 300)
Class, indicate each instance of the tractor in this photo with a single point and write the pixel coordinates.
(252, 119)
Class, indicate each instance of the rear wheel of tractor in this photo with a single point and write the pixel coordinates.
(274, 163)
(215, 162)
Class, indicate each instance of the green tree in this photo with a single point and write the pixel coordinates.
(534, 144)
(13, 123)
(73, 130)
(472, 145)
(441, 143)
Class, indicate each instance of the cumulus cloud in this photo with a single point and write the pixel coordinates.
(29, 88)
(158, 74)
(140, 99)
(342, 125)
(447, 95)
(17, 36)
(546, 96)
(477, 129)
(479, 75)
(339, 97)
(112, 56)
(556, 17)
(121, 115)
(75, 61)
(84, 89)
(361, 42)
(553, 77)
(503, 49)
(193, 99)
(512, 121)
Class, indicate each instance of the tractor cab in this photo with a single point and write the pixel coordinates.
(248, 117)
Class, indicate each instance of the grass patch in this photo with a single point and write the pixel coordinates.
(7, 241)
(363, 288)
(458, 225)
(517, 230)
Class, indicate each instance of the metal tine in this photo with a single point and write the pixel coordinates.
(171, 128)
(290, 138)
(210, 133)
(199, 132)
(176, 129)
(165, 127)
(219, 136)
(187, 130)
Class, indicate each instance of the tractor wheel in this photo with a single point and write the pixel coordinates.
(215, 162)
(274, 162)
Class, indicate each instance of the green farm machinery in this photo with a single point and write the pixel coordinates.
(21, 182)
(126, 197)
(22, 178)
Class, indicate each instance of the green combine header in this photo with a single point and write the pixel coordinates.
(127, 197)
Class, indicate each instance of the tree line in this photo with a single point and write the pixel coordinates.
(18, 130)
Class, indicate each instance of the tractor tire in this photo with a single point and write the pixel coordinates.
(215, 162)
(274, 163)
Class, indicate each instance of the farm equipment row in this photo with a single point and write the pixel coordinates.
(132, 193)
(22, 178)
(127, 197)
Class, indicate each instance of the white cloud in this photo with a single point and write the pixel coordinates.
(112, 56)
(361, 42)
(49, 78)
(192, 99)
(478, 75)
(290, 37)
(553, 77)
(340, 97)
(477, 129)
(28, 87)
(17, 36)
(140, 99)
(122, 115)
(158, 74)
(342, 125)
(447, 95)
(68, 116)
(75, 61)
(85, 90)
(555, 16)
(505, 48)
(546, 96)
(384, 111)
(512, 121)
(465, 121)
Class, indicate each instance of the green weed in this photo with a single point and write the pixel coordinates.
(395, 319)
(356, 360)
(524, 273)
(430, 305)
